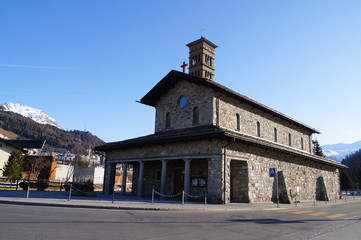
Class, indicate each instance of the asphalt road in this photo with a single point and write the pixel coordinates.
(336, 221)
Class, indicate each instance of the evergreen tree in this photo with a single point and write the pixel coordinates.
(358, 175)
(346, 182)
(15, 165)
(318, 150)
(352, 161)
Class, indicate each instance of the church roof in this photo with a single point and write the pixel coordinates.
(164, 137)
(209, 132)
(174, 76)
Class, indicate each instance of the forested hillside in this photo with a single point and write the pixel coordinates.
(352, 161)
(74, 141)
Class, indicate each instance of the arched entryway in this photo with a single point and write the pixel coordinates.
(239, 181)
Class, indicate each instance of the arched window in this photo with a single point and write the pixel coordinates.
(195, 115)
(237, 122)
(289, 139)
(167, 120)
(258, 129)
(275, 134)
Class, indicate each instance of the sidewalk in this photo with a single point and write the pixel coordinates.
(127, 202)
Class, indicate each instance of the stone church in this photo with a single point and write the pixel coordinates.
(212, 140)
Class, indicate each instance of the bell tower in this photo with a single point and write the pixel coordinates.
(201, 58)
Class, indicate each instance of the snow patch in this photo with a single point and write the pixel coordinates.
(37, 115)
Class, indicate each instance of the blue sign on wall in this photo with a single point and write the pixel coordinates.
(272, 172)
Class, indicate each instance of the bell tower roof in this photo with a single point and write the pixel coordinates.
(201, 58)
(202, 39)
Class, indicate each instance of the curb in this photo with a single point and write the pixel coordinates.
(117, 207)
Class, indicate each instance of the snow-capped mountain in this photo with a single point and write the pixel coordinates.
(341, 150)
(35, 114)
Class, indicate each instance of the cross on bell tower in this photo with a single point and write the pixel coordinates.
(201, 58)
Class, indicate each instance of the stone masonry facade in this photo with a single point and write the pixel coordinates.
(221, 111)
(226, 153)
(200, 97)
(248, 165)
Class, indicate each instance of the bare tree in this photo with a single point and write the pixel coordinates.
(36, 165)
(77, 163)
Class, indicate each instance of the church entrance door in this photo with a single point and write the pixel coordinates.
(238, 180)
(178, 182)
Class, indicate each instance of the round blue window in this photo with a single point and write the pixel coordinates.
(182, 101)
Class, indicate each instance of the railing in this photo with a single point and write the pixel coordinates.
(183, 193)
(10, 184)
(41, 186)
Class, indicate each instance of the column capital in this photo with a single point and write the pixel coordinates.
(187, 159)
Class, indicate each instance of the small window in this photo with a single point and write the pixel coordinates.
(182, 101)
(302, 144)
(289, 139)
(167, 120)
(237, 122)
(258, 129)
(275, 134)
(195, 115)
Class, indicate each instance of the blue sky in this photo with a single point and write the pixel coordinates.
(86, 62)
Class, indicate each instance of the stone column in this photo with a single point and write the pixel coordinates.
(164, 176)
(109, 178)
(124, 178)
(187, 163)
(215, 180)
(140, 178)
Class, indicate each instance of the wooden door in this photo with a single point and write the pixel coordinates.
(178, 182)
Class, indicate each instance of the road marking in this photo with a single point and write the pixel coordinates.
(318, 213)
(273, 209)
(336, 215)
(290, 210)
(302, 212)
(350, 218)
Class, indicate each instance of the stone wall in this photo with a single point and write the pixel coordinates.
(197, 96)
(297, 173)
(215, 180)
(249, 116)
(249, 165)
(198, 169)
(217, 109)
(178, 150)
